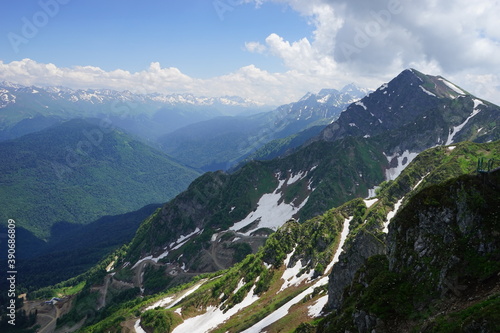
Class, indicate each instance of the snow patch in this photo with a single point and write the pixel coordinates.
(141, 260)
(295, 178)
(420, 181)
(370, 202)
(458, 128)
(391, 214)
(372, 192)
(169, 301)
(213, 317)
(137, 327)
(453, 87)
(324, 99)
(239, 286)
(402, 162)
(271, 212)
(427, 92)
(315, 309)
(161, 303)
(290, 276)
(451, 147)
(359, 103)
(180, 242)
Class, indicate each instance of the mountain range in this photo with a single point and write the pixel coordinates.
(28, 109)
(382, 220)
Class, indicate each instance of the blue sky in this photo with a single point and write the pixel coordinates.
(203, 38)
(272, 51)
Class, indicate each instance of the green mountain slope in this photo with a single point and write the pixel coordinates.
(284, 286)
(349, 158)
(79, 171)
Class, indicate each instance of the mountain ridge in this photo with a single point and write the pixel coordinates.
(76, 161)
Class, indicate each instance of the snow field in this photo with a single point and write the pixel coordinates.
(214, 316)
(272, 212)
(393, 173)
(458, 128)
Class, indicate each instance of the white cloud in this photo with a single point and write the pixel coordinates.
(255, 47)
(249, 81)
(371, 42)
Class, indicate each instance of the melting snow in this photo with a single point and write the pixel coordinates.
(290, 276)
(372, 192)
(391, 214)
(138, 328)
(170, 301)
(239, 286)
(181, 241)
(370, 202)
(362, 105)
(214, 316)
(458, 128)
(283, 311)
(452, 147)
(420, 181)
(161, 303)
(315, 309)
(300, 175)
(427, 91)
(271, 211)
(141, 260)
(393, 173)
(453, 87)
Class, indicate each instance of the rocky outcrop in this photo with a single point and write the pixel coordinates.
(442, 265)
(361, 247)
(445, 231)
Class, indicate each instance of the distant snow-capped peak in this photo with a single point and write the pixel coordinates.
(107, 95)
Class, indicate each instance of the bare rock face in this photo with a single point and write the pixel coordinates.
(442, 248)
(442, 232)
(363, 246)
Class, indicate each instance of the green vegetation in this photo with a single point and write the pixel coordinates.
(60, 175)
(483, 316)
(279, 147)
(155, 279)
(160, 320)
